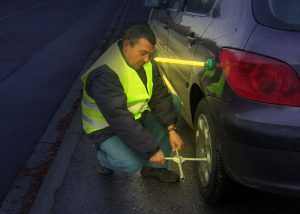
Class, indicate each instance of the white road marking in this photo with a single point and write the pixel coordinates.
(39, 4)
(10, 15)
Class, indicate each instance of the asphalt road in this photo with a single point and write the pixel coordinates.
(85, 191)
(44, 46)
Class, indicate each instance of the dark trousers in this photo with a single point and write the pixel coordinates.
(116, 155)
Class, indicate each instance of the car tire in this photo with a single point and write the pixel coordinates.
(213, 181)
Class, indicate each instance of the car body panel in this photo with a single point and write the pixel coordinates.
(285, 46)
(226, 30)
(180, 47)
(158, 22)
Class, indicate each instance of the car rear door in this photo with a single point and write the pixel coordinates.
(185, 28)
(159, 21)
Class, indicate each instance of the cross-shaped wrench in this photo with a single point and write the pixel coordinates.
(179, 160)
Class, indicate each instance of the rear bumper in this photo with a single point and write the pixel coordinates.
(261, 135)
(259, 153)
(264, 169)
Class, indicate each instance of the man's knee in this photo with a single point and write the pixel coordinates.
(130, 165)
(116, 155)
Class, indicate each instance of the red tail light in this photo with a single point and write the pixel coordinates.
(260, 78)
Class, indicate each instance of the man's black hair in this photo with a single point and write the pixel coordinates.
(135, 32)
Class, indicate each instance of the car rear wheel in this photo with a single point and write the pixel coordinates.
(212, 177)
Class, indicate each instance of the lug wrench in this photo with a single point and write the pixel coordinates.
(179, 160)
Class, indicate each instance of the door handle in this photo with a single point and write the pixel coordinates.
(191, 40)
(165, 26)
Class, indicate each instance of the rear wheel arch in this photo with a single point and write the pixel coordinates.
(196, 95)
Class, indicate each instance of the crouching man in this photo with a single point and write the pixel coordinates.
(128, 112)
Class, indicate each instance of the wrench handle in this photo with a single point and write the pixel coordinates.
(180, 166)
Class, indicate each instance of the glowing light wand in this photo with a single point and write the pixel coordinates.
(210, 63)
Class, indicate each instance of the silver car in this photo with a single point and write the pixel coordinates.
(245, 109)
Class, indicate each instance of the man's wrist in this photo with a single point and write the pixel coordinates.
(172, 128)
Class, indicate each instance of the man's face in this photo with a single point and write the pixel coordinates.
(138, 54)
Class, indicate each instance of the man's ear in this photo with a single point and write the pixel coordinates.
(126, 43)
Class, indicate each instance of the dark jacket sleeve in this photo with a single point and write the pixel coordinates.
(104, 86)
(161, 101)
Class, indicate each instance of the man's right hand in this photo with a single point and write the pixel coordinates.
(157, 158)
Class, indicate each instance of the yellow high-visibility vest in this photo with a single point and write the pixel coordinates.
(137, 95)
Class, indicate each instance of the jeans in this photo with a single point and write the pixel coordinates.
(116, 155)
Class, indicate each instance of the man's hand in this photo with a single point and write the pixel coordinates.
(175, 140)
(157, 158)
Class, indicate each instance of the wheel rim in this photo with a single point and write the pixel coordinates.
(203, 149)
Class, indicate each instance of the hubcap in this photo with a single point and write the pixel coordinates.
(203, 149)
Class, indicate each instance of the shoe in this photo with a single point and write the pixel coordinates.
(161, 174)
(103, 170)
(94, 146)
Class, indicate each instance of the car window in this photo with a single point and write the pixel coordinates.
(173, 4)
(278, 13)
(199, 6)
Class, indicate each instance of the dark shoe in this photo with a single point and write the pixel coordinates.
(103, 170)
(162, 174)
(94, 146)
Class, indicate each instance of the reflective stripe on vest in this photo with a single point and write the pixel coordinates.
(139, 107)
(137, 95)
